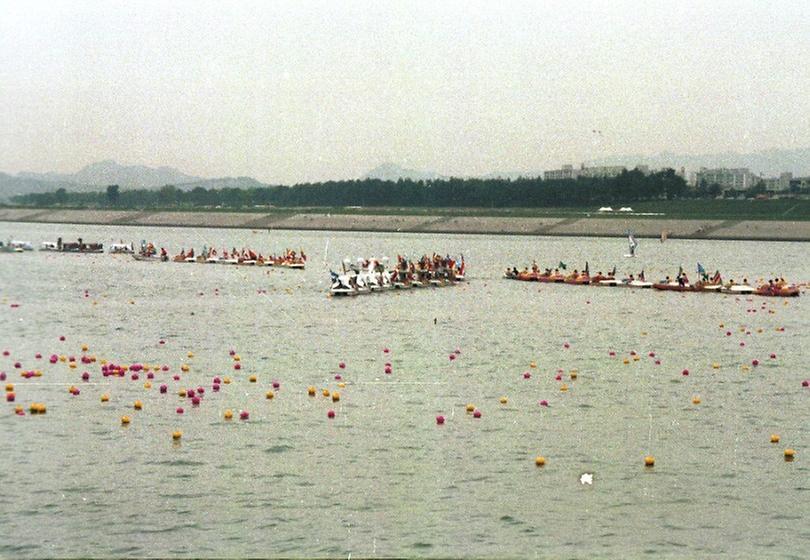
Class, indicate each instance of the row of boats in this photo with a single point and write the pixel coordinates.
(245, 257)
(774, 287)
(371, 275)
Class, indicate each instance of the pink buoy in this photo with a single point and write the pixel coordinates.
(527, 375)
(217, 381)
(2, 375)
(6, 353)
(195, 401)
(164, 388)
(658, 362)
(330, 414)
(164, 368)
(342, 365)
(728, 333)
(237, 365)
(558, 377)
(457, 351)
(85, 376)
(440, 419)
(62, 338)
(200, 391)
(544, 403)
(75, 392)
(53, 359)
(612, 354)
(17, 365)
(150, 375)
(176, 377)
(773, 356)
(386, 350)
(477, 413)
(742, 343)
(755, 362)
(806, 383)
(276, 384)
(231, 352)
(452, 357)
(190, 393)
(244, 415)
(685, 372)
(338, 377)
(180, 410)
(161, 342)
(38, 356)
(566, 345)
(388, 370)
(10, 397)
(215, 387)
(651, 354)
(135, 376)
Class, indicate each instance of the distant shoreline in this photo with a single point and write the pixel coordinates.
(290, 219)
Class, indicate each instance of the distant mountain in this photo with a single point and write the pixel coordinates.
(11, 185)
(109, 172)
(223, 183)
(393, 172)
(769, 163)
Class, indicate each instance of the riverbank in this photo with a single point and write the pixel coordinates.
(586, 226)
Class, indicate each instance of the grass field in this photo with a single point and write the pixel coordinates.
(779, 209)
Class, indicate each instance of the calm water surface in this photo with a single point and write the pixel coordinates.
(382, 479)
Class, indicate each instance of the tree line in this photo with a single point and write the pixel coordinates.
(628, 187)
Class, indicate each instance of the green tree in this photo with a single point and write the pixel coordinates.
(113, 195)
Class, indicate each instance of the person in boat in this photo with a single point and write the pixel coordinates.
(641, 276)
(183, 253)
(745, 281)
(631, 278)
(535, 268)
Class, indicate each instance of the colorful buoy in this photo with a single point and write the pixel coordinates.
(649, 461)
(540, 461)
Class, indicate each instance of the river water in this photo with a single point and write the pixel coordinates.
(382, 478)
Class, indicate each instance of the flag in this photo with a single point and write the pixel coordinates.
(562, 265)
(614, 271)
(700, 269)
(680, 271)
(586, 268)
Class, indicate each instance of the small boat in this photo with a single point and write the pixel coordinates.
(122, 249)
(79, 247)
(638, 284)
(777, 291)
(150, 258)
(8, 248)
(19, 246)
(738, 289)
(673, 287)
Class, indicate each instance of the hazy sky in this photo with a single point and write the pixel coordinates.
(296, 91)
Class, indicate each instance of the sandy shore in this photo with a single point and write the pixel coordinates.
(589, 227)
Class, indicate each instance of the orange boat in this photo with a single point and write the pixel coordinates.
(578, 279)
(777, 291)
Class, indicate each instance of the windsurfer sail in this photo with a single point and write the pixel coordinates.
(632, 244)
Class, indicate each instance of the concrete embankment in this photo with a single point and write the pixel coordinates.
(589, 227)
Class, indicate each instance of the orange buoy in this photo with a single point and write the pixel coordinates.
(269, 395)
(311, 391)
(649, 461)
(774, 438)
(228, 414)
(137, 405)
(540, 461)
(125, 420)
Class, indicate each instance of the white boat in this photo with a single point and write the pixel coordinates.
(122, 248)
(21, 245)
(639, 284)
(738, 289)
(609, 282)
(49, 246)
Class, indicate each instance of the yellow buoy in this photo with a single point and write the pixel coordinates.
(125, 420)
(147, 385)
(341, 385)
(190, 354)
(236, 358)
(325, 392)
(9, 387)
(774, 438)
(184, 368)
(625, 361)
(504, 400)
(228, 414)
(311, 391)
(789, 454)
(649, 461)
(335, 396)
(181, 393)
(269, 395)
(563, 387)
(103, 362)
(105, 397)
(63, 358)
(715, 365)
(72, 365)
(177, 434)
(252, 379)
(72, 389)
(38, 373)
(533, 365)
(84, 348)
(540, 461)
(470, 407)
(574, 374)
(137, 405)
(696, 399)
(636, 358)
(226, 380)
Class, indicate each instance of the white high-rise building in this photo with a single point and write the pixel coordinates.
(738, 179)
